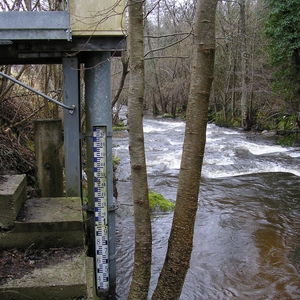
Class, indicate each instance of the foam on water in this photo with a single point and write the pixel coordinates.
(248, 225)
(162, 125)
(210, 172)
(170, 160)
(264, 149)
(153, 128)
(228, 152)
(294, 154)
(218, 161)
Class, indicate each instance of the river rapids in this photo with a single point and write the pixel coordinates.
(247, 230)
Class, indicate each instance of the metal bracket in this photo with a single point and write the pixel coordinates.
(113, 207)
(87, 208)
(69, 34)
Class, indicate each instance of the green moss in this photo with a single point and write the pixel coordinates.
(116, 128)
(116, 161)
(158, 203)
(168, 116)
(119, 126)
(30, 145)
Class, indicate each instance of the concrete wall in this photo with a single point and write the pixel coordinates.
(49, 156)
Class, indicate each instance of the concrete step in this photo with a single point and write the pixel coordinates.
(46, 223)
(70, 277)
(12, 198)
(51, 227)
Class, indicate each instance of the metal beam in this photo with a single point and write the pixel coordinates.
(52, 51)
(38, 25)
(72, 128)
(98, 113)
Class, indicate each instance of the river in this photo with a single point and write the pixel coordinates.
(247, 231)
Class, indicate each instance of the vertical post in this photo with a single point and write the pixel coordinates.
(48, 153)
(72, 128)
(98, 113)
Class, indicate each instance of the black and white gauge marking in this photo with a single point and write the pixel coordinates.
(101, 208)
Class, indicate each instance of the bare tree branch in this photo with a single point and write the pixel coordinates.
(170, 45)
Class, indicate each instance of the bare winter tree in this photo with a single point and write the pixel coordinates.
(180, 243)
(143, 237)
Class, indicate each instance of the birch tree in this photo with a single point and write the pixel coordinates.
(180, 243)
(181, 238)
(143, 242)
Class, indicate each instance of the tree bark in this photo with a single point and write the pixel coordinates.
(180, 243)
(154, 69)
(244, 79)
(125, 62)
(143, 238)
(28, 4)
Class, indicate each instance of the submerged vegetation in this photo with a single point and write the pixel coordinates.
(118, 125)
(158, 203)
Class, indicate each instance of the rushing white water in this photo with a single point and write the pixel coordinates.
(247, 230)
(228, 152)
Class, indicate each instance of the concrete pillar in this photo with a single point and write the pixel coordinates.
(98, 113)
(48, 154)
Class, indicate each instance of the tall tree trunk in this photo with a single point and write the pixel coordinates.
(28, 4)
(244, 97)
(143, 239)
(154, 68)
(181, 238)
(233, 91)
(45, 90)
(125, 62)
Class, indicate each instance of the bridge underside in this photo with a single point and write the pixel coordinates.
(53, 51)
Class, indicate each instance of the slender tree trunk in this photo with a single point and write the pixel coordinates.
(143, 239)
(233, 92)
(45, 90)
(154, 68)
(181, 238)
(244, 97)
(125, 62)
(28, 4)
